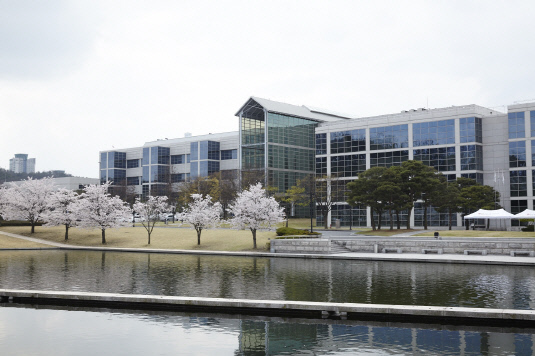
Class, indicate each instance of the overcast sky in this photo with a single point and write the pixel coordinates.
(78, 77)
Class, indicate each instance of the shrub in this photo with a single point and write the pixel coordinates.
(285, 231)
(529, 228)
(18, 223)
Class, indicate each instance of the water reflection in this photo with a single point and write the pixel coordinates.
(85, 331)
(271, 278)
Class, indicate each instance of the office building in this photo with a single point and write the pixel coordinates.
(283, 143)
(22, 164)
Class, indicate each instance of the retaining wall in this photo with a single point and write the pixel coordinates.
(406, 246)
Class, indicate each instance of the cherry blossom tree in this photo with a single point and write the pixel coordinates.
(27, 200)
(150, 211)
(96, 208)
(62, 209)
(201, 214)
(253, 209)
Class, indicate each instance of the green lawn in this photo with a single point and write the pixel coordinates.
(161, 238)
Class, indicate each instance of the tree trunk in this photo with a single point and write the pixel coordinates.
(66, 232)
(148, 233)
(398, 220)
(450, 217)
(103, 236)
(380, 220)
(254, 238)
(199, 236)
(325, 217)
(33, 227)
(391, 219)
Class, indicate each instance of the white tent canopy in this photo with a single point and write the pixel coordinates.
(526, 214)
(491, 214)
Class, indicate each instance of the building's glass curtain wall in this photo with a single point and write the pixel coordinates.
(155, 165)
(204, 158)
(113, 167)
(291, 150)
(389, 137)
(434, 133)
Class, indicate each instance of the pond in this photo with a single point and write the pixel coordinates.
(88, 331)
(79, 331)
(485, 286)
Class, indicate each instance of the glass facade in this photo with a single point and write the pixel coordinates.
(518, 184)
(517, 154)
(388, 159)
(113, 167)
(471, 157)
(285, 157)
(389, 137)
(132, 181)
(132, 163)
(518, 206)
(471, 130)
(443, 158)
(229, 154)
(288, 130)
(103, 160)
(478, 177)
(321, 144)
(516, 125)
(348, 141)
(205, 156)
(434, 218)
(354, 216)
(532, 121)
(434, 133)
(348, 165)
(178, 178)
(178, 159)
(321, 166)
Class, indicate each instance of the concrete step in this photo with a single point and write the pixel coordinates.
(338, 247)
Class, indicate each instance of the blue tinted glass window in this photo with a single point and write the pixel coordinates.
(389, 137)
(177, 159)
(229, 154)
(532, 119)
(321, 165)
(163, 155)
(321, 144)
(434, 133)
(213, 150)
(443, 158)
(154, 155)
(348, 166)
(188, 160)
(103, 177)
(194, 169)
(203, 152)
(103, 160)
(146, 174)
(194, 151)
(518, 183)
(159, 174)
(516, 125)
(111, 158)
(146, 156)
(517, 154)
(132, 180)
(119, 160)
(388, 159)
(132, 163)
(471, 157)
(178, 178)
(471, 129)
(478, 177)
(348, 141)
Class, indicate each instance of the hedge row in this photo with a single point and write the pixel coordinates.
(18, 223)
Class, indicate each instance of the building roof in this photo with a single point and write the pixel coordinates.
(309, 112)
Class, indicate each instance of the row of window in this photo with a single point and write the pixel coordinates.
(284, 157)
(424, 134)
(442, 159)
(288, 130)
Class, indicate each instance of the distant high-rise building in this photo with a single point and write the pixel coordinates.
(22, 164)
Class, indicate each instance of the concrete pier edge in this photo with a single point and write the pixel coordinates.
(313, 310)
